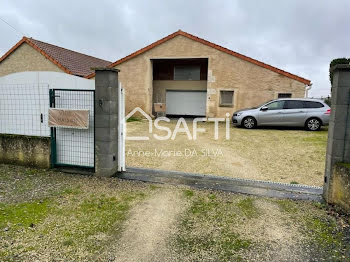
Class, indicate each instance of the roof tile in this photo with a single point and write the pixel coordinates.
(69, 61)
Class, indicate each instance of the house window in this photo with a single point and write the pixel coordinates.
(187, 73)
(284, 95)
(226, 98)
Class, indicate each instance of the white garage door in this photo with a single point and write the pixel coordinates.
(190, 103)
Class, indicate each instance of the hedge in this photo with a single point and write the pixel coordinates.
(337, 61)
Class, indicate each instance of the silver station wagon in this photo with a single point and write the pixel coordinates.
(292, 112)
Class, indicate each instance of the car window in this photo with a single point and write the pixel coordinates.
(293, 104)
(312, 104)
(275, 105)
(255, 107)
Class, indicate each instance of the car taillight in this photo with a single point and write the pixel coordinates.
(328, 112)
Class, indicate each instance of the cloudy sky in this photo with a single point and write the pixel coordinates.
(298, 36)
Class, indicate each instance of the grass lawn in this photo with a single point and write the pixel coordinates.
(289, 156)
(230, 227)
(51, 216)
(46, 214)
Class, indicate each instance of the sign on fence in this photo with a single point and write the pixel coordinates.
(69, 118)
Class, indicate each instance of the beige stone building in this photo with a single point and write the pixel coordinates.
(187, 74)
(192, 76)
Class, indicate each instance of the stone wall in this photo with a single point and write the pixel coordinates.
(340, 192)
(252, 84)
(106, 124)
(25, 150)
(26, 58)
(336, 181)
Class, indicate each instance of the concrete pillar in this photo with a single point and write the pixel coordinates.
(106, 121)
(338, 148)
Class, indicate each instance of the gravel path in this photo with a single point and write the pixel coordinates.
(51, 216)
(146, 231)
(275, 228)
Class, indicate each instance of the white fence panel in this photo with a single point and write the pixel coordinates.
(24, 100)
(23, 109)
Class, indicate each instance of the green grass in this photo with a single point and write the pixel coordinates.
(317, 138)
(188, 193)
(248, 208)
(323, 231)
(258, 154)
(76, 215)
(154, 187)
(202, 206)
(30, 184)
(327, 237)
(231, 243)
(76, 218)
(95, 215)
(207, 226)
(23, 215)
(287, 206)
(294, 182)
(347, 165)
(81, 222)
(34, 171)
(133, 119)
(74, 190)
(68, 242)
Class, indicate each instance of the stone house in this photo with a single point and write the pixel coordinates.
(34, 55)
(189, 75)
(193, 76)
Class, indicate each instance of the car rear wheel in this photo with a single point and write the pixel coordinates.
(313, 124)
(249, 122)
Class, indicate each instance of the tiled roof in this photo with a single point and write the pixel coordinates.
(205, 42)
(69, 61)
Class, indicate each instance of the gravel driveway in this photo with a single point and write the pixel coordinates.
(51, 216)
(288, 156)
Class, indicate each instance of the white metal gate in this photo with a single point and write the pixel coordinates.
(70, 146)
(24, 106)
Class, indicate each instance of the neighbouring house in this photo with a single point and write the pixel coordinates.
(190, 75)
(34, 55)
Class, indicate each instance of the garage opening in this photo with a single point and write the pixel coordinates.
(180, 87)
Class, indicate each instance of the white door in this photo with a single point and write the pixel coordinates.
(190, 103)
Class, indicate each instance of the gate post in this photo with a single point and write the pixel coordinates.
(106, 121)
(337, 177)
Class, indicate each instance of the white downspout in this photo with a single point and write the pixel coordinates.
(307, 89)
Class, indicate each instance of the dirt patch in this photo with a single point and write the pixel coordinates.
(272, 229)
(148, 228)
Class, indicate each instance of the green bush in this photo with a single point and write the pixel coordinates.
(337, 61)
(133, 119)
(328, 101)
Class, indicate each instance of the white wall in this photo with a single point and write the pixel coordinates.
(25, 96)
